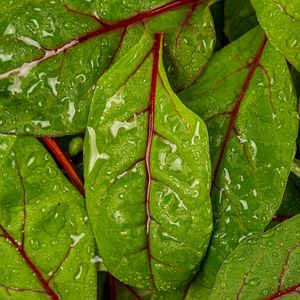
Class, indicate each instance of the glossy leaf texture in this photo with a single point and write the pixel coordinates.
(46, 244)
(280, 19)
(248, 102)
(266, 266)
(239, 18)
(53, 52)
(147, 172)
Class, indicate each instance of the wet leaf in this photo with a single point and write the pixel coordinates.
(247, 99)
(265, 266)
(46, 244)
(147, 173)
(53, 52)
(239, 18)
(280, 19)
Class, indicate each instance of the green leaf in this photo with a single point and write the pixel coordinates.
(171, 295)
(265, 266)
(46, 244)
(147, 173)
(290, 205)
(280, 19)
(239, 18)
(250, 111)
(53, 52)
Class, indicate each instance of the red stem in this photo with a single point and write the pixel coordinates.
(62, 157)
(279, 218)
(112, 287)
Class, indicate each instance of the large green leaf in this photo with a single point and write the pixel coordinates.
(250, 111)
(239, 18)
(46, 245)
(53, 52)
(281, 21)
(265, 266)
(147, 173)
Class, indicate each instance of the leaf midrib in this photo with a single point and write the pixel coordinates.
(106, 28)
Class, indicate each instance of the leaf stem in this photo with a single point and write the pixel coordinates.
(63, 159)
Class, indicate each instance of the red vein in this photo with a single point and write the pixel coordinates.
(30, 264)
(16, 289)
(98, 32)
(60, 264)
(234, 113)
(119, 46)
(63, 159)
(186, 20)
(290, 290)
(156, 52)
(293, 289)
(93, 17)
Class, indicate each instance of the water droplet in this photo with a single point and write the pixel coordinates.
(254, 282)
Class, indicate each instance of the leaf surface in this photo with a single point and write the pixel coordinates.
(147, 172)
(281, 21)
(250, 111)
(266, 266)
(46, 244)
(52, 54)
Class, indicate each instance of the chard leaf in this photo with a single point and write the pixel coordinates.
(46, 244)
(280, 19)
(290, 205)
(250, 111)
(239, 18)
(266, 266)
(147, 173)
(53, 52)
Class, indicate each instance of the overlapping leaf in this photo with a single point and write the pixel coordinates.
(53, 52)
(247, 98)
(239, 18)
(46, 245)
(281, 21)
(147, 173)
(264, 267)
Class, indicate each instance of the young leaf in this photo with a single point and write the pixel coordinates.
(265, 266)
(239, 18)
(52, 54)
(250, 111)
(147, 173)
(280, 20)
(46, 244)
